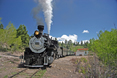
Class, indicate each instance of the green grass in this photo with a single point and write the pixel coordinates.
(80, 47)
(83, 70)
(11, 61)
(3, 69)
(83, 60)
(40, 74)
(91, 53)
(0, 56)
(74, 48)
(23, 73)
(13, 73)
(14, 67)
(6, 76)
(16, 59)
(3, 49)
(81, 66)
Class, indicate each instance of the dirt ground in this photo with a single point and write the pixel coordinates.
(9, 64)
(63, 68)
(60, 68)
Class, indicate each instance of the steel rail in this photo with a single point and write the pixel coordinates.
(35, 72)
(17, 73)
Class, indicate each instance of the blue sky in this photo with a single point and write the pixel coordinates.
(70, 17)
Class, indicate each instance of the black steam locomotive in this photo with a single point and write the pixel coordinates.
(42, 50)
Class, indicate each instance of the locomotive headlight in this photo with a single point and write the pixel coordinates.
(36, 32)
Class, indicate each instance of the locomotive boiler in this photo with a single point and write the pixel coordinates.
(41, 51)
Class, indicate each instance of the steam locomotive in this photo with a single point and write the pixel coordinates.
(42, 50)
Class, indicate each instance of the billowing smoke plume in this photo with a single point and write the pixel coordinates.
(35, 12)
(46, 6)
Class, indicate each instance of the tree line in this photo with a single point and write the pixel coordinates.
(17, 39)
(13, 39)
(73, 46)
(105, 46)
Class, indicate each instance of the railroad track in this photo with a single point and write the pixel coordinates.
(37, 70)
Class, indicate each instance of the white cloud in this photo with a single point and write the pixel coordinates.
(73, 37)
(85, 31)
(84, 41)
(65, 37)
(53, 38)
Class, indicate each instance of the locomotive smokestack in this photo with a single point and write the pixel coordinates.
(40, 28)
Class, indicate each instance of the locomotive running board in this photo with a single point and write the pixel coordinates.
(34, 65)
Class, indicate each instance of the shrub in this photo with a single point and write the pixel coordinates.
(94, 68)
(3, 49)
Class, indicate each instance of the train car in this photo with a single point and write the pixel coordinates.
(70, 53)
(62, 52)
(65, 52)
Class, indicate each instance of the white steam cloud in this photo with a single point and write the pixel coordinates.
(46, 6)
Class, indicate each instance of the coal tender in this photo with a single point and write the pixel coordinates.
(41, 51)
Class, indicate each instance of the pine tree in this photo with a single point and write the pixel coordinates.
(56, 39)
(81, 43)
(66, 42)
(62, 44)
(21, 31)
(8, 36)
(1, 26)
